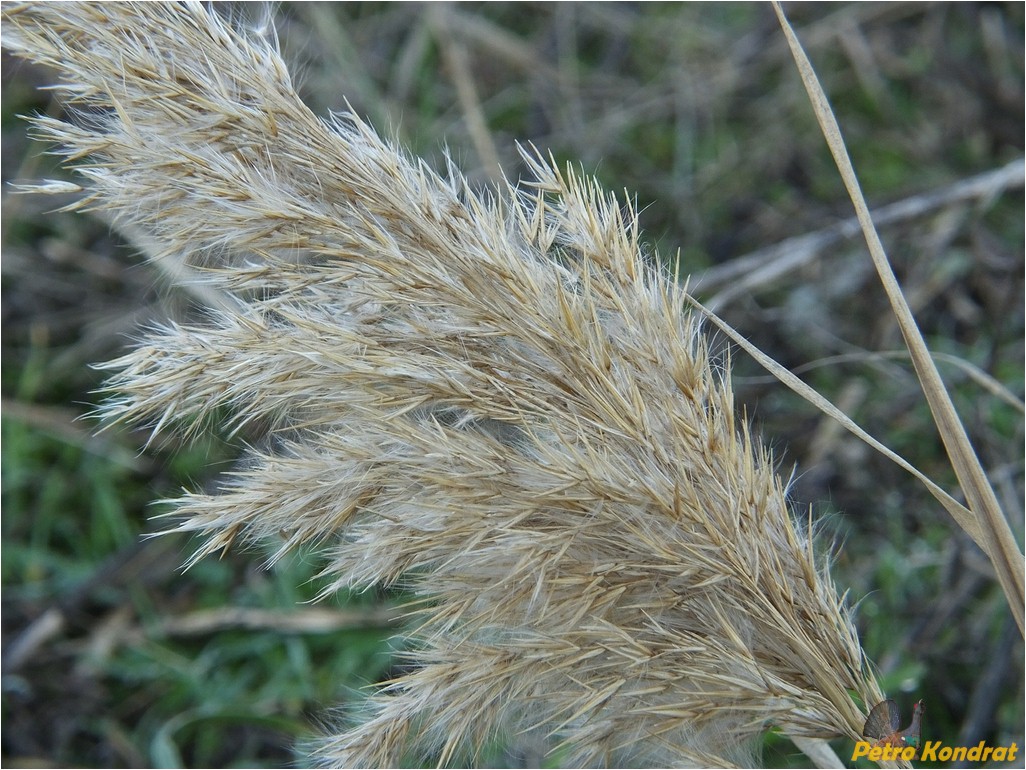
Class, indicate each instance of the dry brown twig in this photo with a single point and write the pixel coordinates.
(742, 274)
(493, 401)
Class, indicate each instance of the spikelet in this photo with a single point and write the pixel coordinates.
(491, 400)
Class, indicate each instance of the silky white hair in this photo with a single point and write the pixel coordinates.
(491, 399)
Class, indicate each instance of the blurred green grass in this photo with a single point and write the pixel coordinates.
(697, 110)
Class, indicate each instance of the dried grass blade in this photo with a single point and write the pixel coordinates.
(997, 538)
(818, 750)
(958, 512)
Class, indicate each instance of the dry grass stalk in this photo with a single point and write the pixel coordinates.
(997, 539)
(493, 401)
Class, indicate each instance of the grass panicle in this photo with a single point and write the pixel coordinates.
(494, 401)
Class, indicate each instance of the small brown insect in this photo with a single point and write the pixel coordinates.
(884, 722)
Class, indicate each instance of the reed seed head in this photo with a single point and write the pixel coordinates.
(492, 400)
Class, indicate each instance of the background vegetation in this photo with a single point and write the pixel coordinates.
(113, 657)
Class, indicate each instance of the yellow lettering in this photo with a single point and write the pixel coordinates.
(929, 751)
(861, 750)
(875, 754)
(935, 751)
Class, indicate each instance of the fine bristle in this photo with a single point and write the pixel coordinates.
(492, 400)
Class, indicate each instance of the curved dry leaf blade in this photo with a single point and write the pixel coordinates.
(995, 535)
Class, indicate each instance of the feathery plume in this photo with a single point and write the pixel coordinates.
(492, 400)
